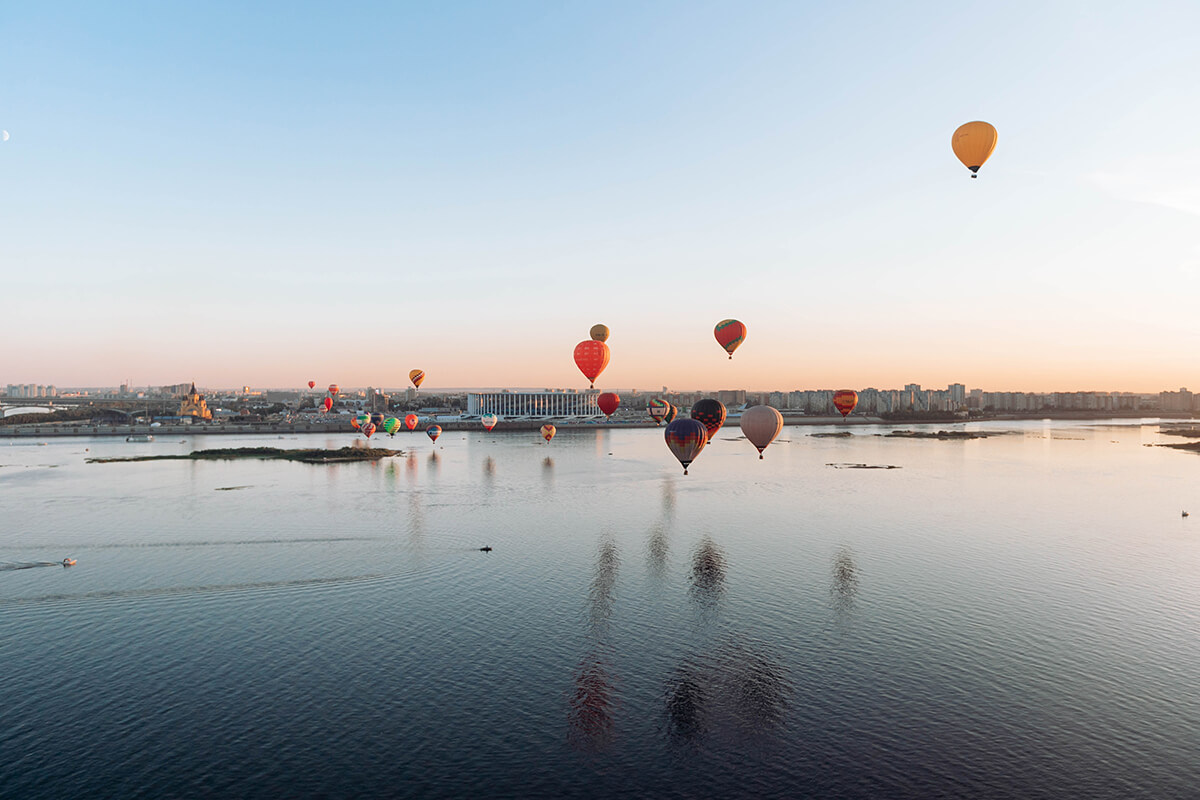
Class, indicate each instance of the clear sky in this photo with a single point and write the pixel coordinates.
(257, 193)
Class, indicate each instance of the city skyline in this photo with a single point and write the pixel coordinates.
(239, 193)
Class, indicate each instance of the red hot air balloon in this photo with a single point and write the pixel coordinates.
(311, 384)
(333, 390)
(368, 429)
(411, 421)
(434, 431)
(844, 400)
(730, 334)
(591, 357)
(328, 403)
(686, 438)
(710, 413)
(608, 403)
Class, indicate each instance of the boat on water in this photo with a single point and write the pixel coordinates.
(68, 562)
(139, 437)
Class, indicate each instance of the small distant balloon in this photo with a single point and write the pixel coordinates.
(328, 403)
(548, 432)
(761, 424)
(672, 412)
(730, 334)
(658, 410)
(391, 425)
(973, 143)
(333, 390)
(411, 421)
(311, 384)
(710, 413)
(685, 439)
(377, 418)
(608, 403)
(489, 421)
(844, 400)
(434, 431)
(368, 429)
(591, 357)
(417, 377)
(599, 333)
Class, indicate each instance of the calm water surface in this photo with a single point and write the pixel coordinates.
(1014, 616)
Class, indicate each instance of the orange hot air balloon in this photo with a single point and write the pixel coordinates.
(311, 384)
(548, 432)
(368, 429)
(417, 377)
(608, 403)
(844, 400)
(761, 424)
(591, 357)
(411, 421)
(599, 333)
(973, 143)
(333, 390)
(730, 334)
(328, 403)
(434, 431)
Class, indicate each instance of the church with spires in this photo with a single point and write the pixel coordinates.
(193, 405)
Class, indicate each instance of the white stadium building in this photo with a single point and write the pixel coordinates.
(540, 404)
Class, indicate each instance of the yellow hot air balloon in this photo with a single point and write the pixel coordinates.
(599, 333)
(973, 143)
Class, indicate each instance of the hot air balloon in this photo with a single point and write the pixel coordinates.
(973, 143)
(844, 400)
(761, 424)
(368, 429)
(710, 413)
(354, 423)
(377, 418)
(311, 384)
(434, 431)
(391, 425)
(417, 377)
(489, 421)
(686, 438)
(548, 432)
(608, 403)
(363, 420)
(672, 412)
(411, 421)
(591, 357)
(730, 334)
(658, 410)
(599, 333)
(333, 390)
(328, 403)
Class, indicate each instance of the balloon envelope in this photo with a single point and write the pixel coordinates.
(417, 377)
(391, 424)
(368, 429)
(328, 403)
(710, 413)
(658, 410)
(434, 431)
(599, 333)
(761, 424)
(844, 400)
(548, 432)
(410, 421)
(362, 420)
(591, 357)
(377, 418)
(333, 389)
(672, 412)
(730, 334)
(608, 403)
(686, 438)
(973, 143)
(489, 421)
(311, 384)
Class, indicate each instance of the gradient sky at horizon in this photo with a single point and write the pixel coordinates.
(265, 194)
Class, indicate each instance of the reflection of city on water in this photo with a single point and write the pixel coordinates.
(590, 716)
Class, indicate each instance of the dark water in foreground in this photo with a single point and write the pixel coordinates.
(1017, 616)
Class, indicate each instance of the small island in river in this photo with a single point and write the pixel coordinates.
(318, 456)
